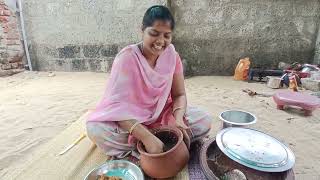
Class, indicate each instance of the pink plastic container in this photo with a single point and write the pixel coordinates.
(289, 98)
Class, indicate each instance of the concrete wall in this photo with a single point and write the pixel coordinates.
(211, 35)
(83, 35)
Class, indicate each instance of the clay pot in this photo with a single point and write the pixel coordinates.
(170, 162)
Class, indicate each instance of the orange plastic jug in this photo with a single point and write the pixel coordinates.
(242, 69)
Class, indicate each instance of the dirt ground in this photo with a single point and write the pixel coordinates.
(35, 106)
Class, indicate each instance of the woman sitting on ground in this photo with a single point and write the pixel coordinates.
(146, 90)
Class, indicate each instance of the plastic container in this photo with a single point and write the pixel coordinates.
(273, 82)
(242, 69)
(305, 101)
(315, 75)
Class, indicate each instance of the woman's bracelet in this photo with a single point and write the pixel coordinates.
(180, 107)
(133, 126)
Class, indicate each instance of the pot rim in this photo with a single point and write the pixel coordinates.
(203, 159)
(159, 129)
(234, 123)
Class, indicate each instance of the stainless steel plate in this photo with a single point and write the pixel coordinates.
(255, 149)
(119, 168)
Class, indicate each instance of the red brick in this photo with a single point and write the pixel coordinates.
(5, 13)
(12, 42)
(13, 25)
(13, 36)
(15, 59)
(10, 30)
(12, 33)
(14, 48)
(14, 65)
(5, 29)
(3, 18)
(5, 66)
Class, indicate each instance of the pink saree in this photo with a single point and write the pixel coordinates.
(136, 91)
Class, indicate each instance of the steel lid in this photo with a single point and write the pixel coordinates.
(255, 149)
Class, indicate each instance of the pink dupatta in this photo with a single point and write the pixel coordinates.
(136, 91)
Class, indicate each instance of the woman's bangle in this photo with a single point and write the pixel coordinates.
(133, 126)
(180, 107)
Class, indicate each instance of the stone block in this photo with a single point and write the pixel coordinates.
(4, 54)
(91, 51)
(300, 43)
(308, 83)
(4, 73)
(43, 65)
(6, 66)
(109, 50)
(3, 60)
(14, 65)
(94, 65)
(69, 52)
(48, 50)
(309, 9)
(79, 65)
(62, 65)
(106, 64)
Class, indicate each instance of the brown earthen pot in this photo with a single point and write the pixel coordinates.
(170, 162)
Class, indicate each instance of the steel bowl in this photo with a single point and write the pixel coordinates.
(237, 118)
(118, 168)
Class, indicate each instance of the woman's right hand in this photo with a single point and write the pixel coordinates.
(153, 144)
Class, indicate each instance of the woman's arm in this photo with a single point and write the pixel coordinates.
(151, 142)
(179, 97)
(178, 94)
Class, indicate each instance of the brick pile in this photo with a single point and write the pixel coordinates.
(11, 49)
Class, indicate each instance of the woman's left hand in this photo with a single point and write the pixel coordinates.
(186, 138)
(184, 129)
(180, 124)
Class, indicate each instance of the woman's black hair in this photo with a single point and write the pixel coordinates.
(157, 12)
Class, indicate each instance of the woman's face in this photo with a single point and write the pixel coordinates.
(157, 37)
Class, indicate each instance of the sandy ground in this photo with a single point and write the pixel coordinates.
(35, 107)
